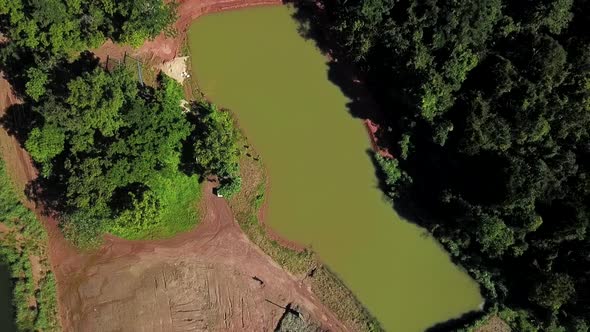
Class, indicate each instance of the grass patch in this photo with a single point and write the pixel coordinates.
(149, 73)
(175, 211)
(170, 207)
(23, 237)
(324, 283)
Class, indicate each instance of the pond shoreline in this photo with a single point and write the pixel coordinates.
(298, 118)
(164, 48)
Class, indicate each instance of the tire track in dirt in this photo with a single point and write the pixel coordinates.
(201, 280)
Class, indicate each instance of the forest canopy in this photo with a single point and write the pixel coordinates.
(488, 105)
(64, 26)
(112, 152)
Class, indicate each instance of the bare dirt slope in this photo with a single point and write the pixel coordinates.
(211, 279)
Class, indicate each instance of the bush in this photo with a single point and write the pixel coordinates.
(230, 187)
(394, 176)
(25, 237)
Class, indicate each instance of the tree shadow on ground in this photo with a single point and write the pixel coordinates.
(18, 121)
(7, 315)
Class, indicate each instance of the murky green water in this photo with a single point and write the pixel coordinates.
(6, 311)
(323, 188)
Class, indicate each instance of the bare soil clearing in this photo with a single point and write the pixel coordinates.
(175, 68)
(494, 324)
(202, 280)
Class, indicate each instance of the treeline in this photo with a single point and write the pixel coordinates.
(65, 26)
(114, 156)
(488, 109)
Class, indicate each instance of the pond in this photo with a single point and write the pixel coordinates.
(6, 310)
(323, 190)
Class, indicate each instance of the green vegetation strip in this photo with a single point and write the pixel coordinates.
(34, 301)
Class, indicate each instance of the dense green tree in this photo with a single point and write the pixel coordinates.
(489, 102)
(216, 147)
(64, 26)
(36, 84)
(45, 144)
(394, 177)
(494, 236)
(108, 140)
(553, 292)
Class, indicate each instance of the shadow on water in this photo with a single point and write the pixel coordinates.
(6, 308)
(311, 21)
(438, 167)
(456, 323)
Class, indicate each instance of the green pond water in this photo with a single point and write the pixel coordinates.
(6, 311)
(323, 187)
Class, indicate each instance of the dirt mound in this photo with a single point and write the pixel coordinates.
(175, 68)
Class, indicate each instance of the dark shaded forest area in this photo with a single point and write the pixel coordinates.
(486, 106)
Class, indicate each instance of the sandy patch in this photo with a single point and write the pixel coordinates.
(176, 68)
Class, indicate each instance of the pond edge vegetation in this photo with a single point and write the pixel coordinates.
(303, 264)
